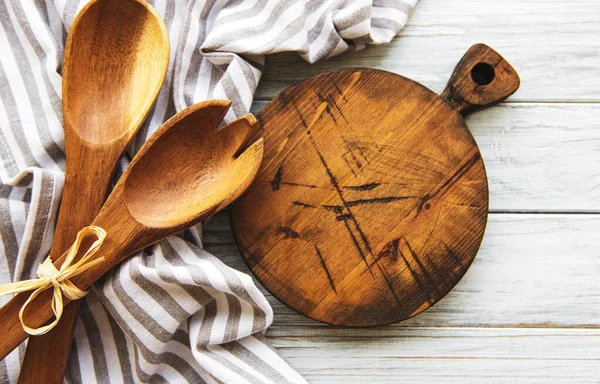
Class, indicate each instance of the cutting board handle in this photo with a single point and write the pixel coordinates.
(481, 78)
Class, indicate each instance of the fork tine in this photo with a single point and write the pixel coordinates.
(249, 160)
(239, 133)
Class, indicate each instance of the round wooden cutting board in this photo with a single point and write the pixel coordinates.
(372, 198)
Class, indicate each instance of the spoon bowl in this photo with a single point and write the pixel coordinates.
(114, 51)
(209, 174)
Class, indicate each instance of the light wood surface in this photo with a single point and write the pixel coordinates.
(372, 199)
(115, 61)
(527, 311)
(162, 192)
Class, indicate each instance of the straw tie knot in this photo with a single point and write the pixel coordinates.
(53, 275)
(48, 276)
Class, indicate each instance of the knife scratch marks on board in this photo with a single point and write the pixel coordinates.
(333, 104)
(297, 110)
(462, 205)
(334, 183)
(358, 248)
(452, 256)
(379, 200)
(320, 109)
(345, 158)
(332, 81)
(415, 256)
(353, 79)
(370, 147)
(329, 102)
(299, 185)
(454, 177)
(343, 217)
(289, 233)
(350, 159)
(352, 203)
(277, 178)
(363, 187)
(396, 244)
(350, 217)
(334, 208)
(447, 182)
(407, 254)
(325, 268)
(301, 204)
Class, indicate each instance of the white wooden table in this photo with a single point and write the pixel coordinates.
(528, 310)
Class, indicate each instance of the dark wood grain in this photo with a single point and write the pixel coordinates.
(372, 198)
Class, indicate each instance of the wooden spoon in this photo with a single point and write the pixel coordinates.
(115, 62)
(187, 171)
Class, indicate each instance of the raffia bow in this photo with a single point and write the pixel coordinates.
(50, 276)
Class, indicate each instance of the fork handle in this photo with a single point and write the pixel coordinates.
(10, 327)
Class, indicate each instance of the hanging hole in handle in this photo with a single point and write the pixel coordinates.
(483, 74)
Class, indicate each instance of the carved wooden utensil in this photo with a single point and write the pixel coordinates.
(186, 171)
(372, 198)
(115, 62)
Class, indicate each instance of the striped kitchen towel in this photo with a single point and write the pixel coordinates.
(173, 313)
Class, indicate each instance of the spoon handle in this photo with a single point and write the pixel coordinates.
(10, 327)
(87, 177)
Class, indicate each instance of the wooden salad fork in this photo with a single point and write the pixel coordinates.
(188, 170)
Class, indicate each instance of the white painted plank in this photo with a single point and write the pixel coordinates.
(440, 343)
(533, 270)
(538, 157)
(347, 370)
(554, 46)
(541, 157)
(441, 355)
